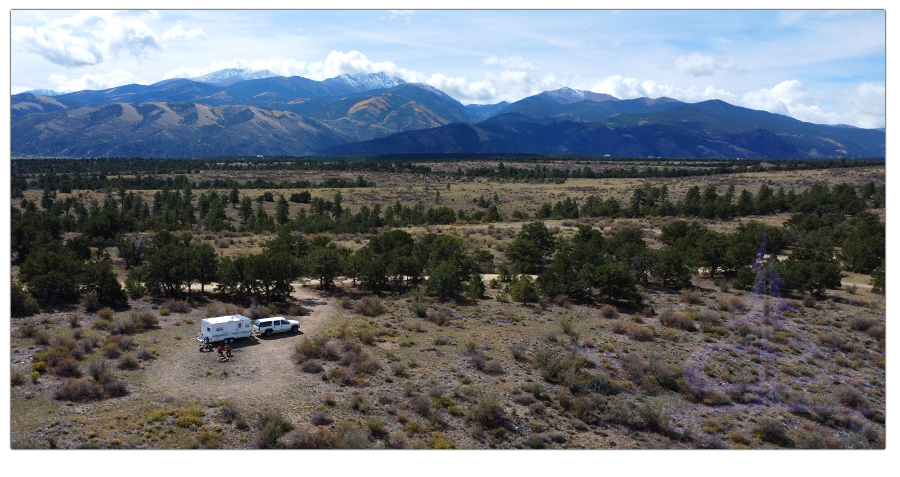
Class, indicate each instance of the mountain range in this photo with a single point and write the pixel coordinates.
(237, 112)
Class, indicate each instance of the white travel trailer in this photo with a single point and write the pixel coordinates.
(223, 328)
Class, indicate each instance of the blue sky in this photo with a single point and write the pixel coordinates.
(818, 66)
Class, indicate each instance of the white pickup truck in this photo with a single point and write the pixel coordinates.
(275, 324)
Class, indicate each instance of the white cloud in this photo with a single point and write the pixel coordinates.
(401, 13)
(93, 81)
(696, 64)
(630, 88)
(867, 105)
(92, 37)
(19, 89)
(790, 98)
(178, 33)
(517, 80)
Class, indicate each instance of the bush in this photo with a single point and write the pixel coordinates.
(351, 436)
(90, 301)
(609, 311)
(22, 302)
(98, 371)
(418, 308)
(67, 367)
(145, 354)
(111, 351)
(640, 333)
(115, 388)
(272, 425)
(311, 366)
(177, 306)
(106, 313)
(79, 390)
(770, 430)
(17, 378)
(683, 321)
(321, 439)
(369, 306)
(321, 418)
(145, 320)
(74, 320)
(518, 350)
(487, 412)
(690, 297)
(125, 326)
(441, 316)
(376, 427)
(230, 412)
(129, 362)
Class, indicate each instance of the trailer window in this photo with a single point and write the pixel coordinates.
(207, 328)
(220, 328)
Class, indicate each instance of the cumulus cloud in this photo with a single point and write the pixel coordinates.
(92, 37)
(790, 98)
(696, 64)
(178, 33)
(630, 88)
(516, 80)
(866, 105)
(93, 81)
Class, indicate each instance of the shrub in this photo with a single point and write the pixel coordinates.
(39, 367)
(90, 302)
(690, 297)
(770, 430)
(862, 323)
(17, 378)
(518, 350)
(487, 412)
(145, 320)
(441, 316)
(111, 351)
(74, 320)
(115, 388)
(493, 367)
(567, 325)
(125, 326)
(311, 366)
(359, 403)
(67, 367)
(640, 333)
(321, 418)
(376, 427)
(145, 354)
(609, 311)
(683, 321)
(351, 436)
(129, 362)
(98, 371)
(230, 412)
(418, 308)
(177, 306)
(79, 390)
(272, 425)
(369, 306)
(106, 313)
(321, 439)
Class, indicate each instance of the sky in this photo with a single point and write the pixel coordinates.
(824, 67)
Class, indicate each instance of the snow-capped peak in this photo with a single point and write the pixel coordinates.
(231, 76)
(364, 82)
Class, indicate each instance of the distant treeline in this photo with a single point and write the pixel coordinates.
(410, 165)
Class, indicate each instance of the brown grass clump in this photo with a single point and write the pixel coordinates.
(640, 333)
(683, 321)
(441, 316)
(369, 306)
(690, 297)
(177, 306)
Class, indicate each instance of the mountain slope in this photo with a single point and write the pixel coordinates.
(169, 130)
(629, 137)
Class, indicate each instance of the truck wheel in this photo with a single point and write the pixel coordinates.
(295, 329)
(268, 333)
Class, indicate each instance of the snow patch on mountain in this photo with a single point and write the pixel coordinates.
(364, 82)
(230, 76)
